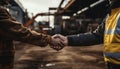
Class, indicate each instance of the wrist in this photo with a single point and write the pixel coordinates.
(49, 39)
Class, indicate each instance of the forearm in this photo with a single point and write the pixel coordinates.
(84, 40)
(87, 39)
(14, 30)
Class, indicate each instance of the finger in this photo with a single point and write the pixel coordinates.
(55, 47)
(59, 47)
(62, 43)
(55, 36)
(61, 37)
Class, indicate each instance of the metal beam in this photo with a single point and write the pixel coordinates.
(59, 7)
(66, 7)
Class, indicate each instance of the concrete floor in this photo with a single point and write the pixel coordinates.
(33, 57)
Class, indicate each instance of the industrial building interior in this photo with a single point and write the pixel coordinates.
(77, 16)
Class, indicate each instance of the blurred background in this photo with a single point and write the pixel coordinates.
(66, 17)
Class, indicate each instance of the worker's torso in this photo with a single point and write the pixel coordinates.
(112, 37)
(6, 53)
(6, 48)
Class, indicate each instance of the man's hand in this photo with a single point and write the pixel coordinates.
(62, 38)
(58, 42)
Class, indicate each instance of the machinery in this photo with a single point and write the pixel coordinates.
(70, 27)
(83, 17)
(43, 26)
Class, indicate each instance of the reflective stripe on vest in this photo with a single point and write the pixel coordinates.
(112, 37)
(116, 30)
(112, 55)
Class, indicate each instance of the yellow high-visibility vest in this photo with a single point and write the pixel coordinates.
(112, 37)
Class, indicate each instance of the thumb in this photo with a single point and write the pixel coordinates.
(61, 37)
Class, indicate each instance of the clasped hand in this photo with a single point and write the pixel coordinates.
(58, 42)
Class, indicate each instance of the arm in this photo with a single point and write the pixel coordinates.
(86, 39)
(11, 29)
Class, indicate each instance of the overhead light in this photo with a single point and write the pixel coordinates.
(65, 17)
(92, 5)
(84, 9)
(74, 14)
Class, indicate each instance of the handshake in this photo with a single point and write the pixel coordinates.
(58, 42)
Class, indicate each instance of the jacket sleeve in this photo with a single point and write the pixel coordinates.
(11, 29)
(86, 39)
